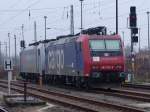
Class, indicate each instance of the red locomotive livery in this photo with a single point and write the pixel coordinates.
(103, 57)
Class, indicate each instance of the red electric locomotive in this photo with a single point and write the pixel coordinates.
(103, 56)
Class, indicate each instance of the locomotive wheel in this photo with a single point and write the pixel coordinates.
(87, 83)
(53, 79)
(78, 82)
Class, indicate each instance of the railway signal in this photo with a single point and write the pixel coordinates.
(134, 32)
(22, 44)
(134, 39)
(133, 18)
(133, 26)
(8, 66)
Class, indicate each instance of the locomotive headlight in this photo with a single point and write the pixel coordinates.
(96, 59)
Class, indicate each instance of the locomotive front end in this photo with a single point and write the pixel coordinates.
(107, 62)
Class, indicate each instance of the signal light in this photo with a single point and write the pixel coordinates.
(134, 30)
(22, 44)
(134, 39)
(133, 18)
(133, 10)
(133, 21)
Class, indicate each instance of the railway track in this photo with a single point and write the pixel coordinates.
(85, 104)
(130, 94)
(3, 109)
(138, 86)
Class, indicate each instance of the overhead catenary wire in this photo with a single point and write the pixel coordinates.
(65, 29)
(54, 8)
(40, 9)
(18, 14)
(14, 4)
(107, 18)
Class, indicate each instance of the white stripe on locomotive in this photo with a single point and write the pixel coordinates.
(56, 60)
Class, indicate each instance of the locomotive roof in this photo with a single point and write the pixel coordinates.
(62, 40)
(64, 36)
(43, 41)
(101, 30)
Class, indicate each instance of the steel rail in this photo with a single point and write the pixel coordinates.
(140, 96)
(56, 97)
(3, 109)
(139, 86)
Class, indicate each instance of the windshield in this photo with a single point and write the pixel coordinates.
(105, 45)
(97, 45)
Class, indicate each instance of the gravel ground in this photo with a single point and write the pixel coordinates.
(62, 109)
(59, 109)
(47, 108)
(104, 97)
(100, 97)
(44, 108)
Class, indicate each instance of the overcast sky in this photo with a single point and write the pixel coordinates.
(14, 13)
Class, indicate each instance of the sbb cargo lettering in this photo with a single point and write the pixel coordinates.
(56, 59)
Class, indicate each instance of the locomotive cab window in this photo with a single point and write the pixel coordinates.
(112, 45)
(101, 47)
(96, 45)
